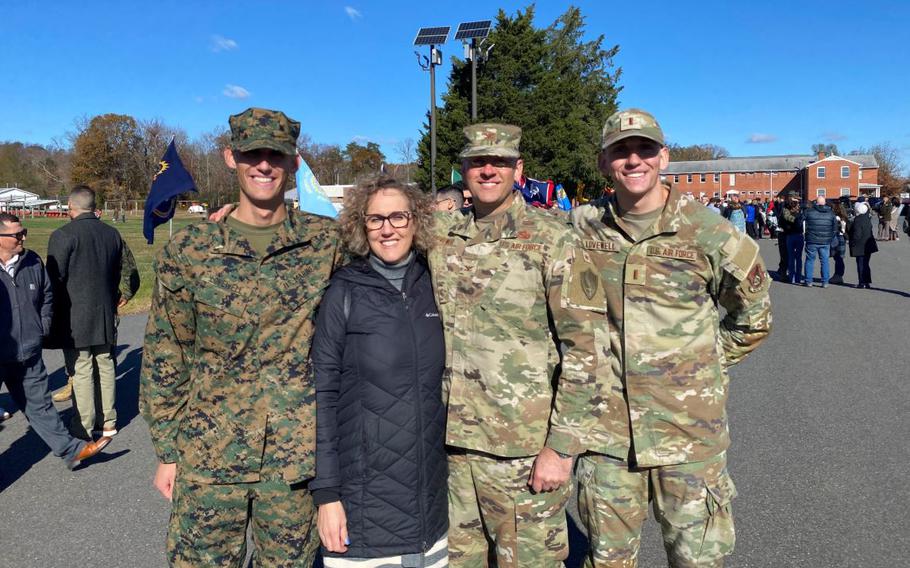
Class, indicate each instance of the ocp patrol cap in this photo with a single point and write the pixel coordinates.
(257, 128)
(491, 139)
(628, 123)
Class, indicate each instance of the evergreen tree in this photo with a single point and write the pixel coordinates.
(557, 87)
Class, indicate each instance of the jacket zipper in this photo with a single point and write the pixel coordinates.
(417, 394)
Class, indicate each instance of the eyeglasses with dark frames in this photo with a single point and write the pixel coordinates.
(18, 236)
(397, 219)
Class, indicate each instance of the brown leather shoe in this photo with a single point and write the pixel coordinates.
(64, 393)
(88, 450)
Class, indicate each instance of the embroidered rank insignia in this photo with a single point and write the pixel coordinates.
(756, 278)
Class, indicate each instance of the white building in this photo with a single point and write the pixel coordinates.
(12, 198)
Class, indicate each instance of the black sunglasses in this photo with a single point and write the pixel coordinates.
(18, 236)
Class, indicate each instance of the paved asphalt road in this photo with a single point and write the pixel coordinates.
(820, 420)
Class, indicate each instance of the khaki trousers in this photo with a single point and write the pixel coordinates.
(92, 401)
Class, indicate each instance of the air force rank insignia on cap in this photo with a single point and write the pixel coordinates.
(630, 122)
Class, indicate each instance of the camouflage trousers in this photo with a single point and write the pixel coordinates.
(208, 524)
(495, 519)
(691, 501)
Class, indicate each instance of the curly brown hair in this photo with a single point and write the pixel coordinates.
(352, 216)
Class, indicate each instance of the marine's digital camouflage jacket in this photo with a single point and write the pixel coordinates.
(670, 345)
(224, 385)
(503, 295)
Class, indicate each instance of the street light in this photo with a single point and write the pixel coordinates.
(432, 37)
(474, 31)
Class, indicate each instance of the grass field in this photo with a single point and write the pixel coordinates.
(40, 229)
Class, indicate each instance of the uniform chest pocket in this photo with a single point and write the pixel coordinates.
(517, 282)
(219, 318)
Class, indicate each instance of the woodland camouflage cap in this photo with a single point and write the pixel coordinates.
(257, 128)
(489, 139)
(628, 123)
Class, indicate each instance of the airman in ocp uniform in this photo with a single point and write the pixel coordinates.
(225, 386)
(501, 274)
(666, 264)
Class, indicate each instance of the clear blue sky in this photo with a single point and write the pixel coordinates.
(757, 78)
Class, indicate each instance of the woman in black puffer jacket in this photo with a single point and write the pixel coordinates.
(378, 355)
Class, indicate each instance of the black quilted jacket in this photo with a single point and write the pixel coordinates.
(380, 421)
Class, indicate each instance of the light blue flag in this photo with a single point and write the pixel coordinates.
(310, 196)
(562, 200)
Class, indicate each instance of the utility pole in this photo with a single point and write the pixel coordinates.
(432, 37)
(474, 51)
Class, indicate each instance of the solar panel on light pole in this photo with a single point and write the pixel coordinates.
(473, 31)
(432, 37)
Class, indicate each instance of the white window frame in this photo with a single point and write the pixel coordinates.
(676, 178)
(732, 180)
(844, 191)
(688, 178)
(844, 169)
(716, 178)
(820, 192)
(702, 178)
(820, 172)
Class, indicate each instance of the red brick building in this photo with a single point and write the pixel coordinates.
(766, 176)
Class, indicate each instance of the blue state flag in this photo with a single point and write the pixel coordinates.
(171, 180)
(310, 196)
(562, 200)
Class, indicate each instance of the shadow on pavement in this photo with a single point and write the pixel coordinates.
(890, 291)
(101, 458)
(20, 457)
(128, 386)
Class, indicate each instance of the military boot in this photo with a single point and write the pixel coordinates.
(65, 393)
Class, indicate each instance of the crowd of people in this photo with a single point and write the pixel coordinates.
(817, 232)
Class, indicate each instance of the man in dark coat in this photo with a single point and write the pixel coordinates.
(821, 226)
(84, 262)
(25, 317)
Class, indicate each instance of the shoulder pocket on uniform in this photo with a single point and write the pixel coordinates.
(584, 287)
(739, 256)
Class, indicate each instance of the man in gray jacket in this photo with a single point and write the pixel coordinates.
(25, 318)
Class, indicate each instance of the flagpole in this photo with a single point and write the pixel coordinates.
(170, 228)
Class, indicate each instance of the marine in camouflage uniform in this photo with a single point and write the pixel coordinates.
(225, 387)
(500, 275)
(664, 433)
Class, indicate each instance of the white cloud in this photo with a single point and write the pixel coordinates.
(759, 138)
(235, 92)
(353, 13)
(833, 136)
(220, 43)
(199, 100)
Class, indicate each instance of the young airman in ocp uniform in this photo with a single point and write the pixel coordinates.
(224, 386)
(501, 273)
(666, 264)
